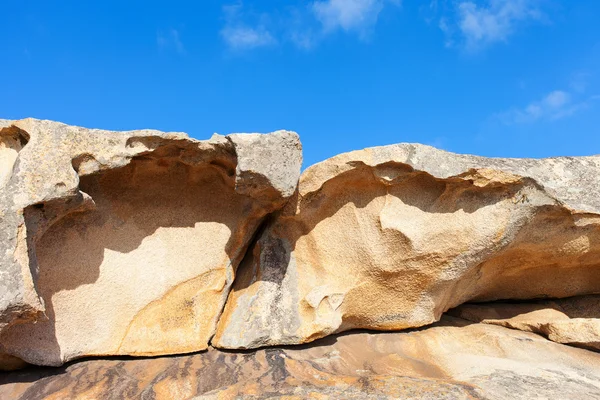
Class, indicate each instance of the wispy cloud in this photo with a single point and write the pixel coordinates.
(482, 25)
(474, 25)
(445, 27)
(170, 40)
(303, 26)
(556, 105)
(245, 37)
(239, 34)
(349, 15)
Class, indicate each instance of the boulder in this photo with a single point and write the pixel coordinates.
(574, 321)
(126, 243)
(391, 237)
(452, 359)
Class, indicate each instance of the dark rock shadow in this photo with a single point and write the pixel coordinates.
(585, 306)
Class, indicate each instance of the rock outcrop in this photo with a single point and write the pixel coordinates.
(146, 243)
(126, 243)
(574, 321)
(391, 237)
(449, 360)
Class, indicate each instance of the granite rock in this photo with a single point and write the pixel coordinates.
(126, 243)
(389, 238)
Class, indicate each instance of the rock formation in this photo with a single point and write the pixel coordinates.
(449, 360)
(127, 242)
(391, 237)
(146, 243)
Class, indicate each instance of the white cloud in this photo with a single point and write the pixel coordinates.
(556, 99)
(240, 35)
(475, 24)
(170, 40)
(245, 37)
(443, 25)
(303, 26)
(555, 105)
(348, 15)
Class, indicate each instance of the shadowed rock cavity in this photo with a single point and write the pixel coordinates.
(574, 321)
(12, 140)
(137, 253)
(390, 238)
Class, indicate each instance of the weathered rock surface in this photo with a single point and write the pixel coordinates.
(450, 360)
(127, 242)
(391, 237)
(574, 321)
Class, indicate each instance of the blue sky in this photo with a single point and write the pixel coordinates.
(513, 78)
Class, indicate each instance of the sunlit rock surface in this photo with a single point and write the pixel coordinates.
(145, 243)
(390, 237)
(127, 242)
(450, 360)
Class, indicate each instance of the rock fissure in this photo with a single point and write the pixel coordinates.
(573, 321)
(266, 220)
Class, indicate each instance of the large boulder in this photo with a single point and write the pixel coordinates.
(391, 237)
(116, 243)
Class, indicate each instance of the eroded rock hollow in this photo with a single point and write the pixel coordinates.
(127, 242)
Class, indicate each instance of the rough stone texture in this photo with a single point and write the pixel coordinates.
(574, 321)
(451, 360)
(389, 238)
(127, 242)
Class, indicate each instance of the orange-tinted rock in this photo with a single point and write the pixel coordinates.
(389, 238)
(451, 360)
(574, 321)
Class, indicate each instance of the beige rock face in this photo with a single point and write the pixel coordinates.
(127, 242)
(574, 321)
(389, 238)
(450, 360)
